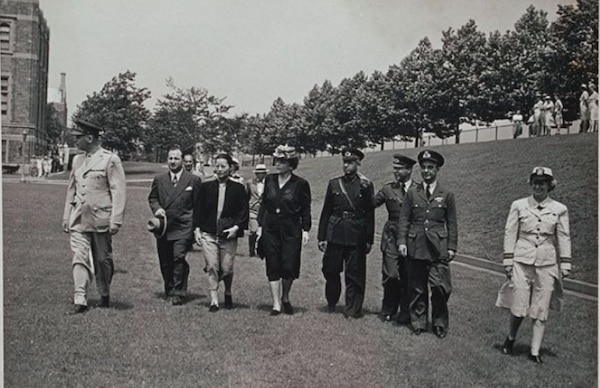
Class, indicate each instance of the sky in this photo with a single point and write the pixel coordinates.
(250, 52)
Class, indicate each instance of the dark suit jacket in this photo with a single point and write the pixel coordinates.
(428, 227)
(178, 203)
(235, 208)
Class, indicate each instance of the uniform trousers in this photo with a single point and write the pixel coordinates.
(173, 266)
(437, 275)
(395, 287)
(352, 260)
(101, 264)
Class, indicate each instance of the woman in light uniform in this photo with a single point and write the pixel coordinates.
(537, 254)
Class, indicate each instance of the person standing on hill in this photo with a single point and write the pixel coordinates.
(558, 113)
(394, 275)
(284, 222)
(517, 120)
(93, 213)
(548, 115)
(255, 188)
(172, 197)
(593, 108)
(346, 230)
(538, 117)
(428, 236)
(537, 254)
(584, 109)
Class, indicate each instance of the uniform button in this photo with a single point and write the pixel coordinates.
(278, 210)
(426, 211)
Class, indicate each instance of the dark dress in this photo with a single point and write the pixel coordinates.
(283, 215)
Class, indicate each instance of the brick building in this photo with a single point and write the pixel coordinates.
(24, 43)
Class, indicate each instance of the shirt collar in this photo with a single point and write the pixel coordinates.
(535, 204)
(433, 185)
(178, 175)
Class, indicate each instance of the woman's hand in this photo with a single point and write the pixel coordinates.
(231, 232)
(197, 236)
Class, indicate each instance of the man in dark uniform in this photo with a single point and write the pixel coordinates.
(394, 278)
(428, 235)
(345, 234)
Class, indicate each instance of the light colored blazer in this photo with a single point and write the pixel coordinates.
(95, 193)
(537, 233)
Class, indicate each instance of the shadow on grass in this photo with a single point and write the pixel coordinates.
(523, 349)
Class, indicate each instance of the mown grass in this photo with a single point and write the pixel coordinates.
(142, 341)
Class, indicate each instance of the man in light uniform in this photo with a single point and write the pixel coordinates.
(93, 213)
(255, 188)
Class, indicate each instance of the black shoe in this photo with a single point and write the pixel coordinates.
(213, 308)
(228, 302)
(536, 359)
(418, 331)
(177, 300)
(287, 308)
(79, 309)
(331, 308)
(275, 312)
(440, 331)
(386, 318)
(355, 316)
(507, 348)
(104, 301)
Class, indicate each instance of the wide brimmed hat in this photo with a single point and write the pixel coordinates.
(158, 226)
(261, 168)
(432, 156)
(285, 152)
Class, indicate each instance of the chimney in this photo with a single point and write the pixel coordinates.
(63, 88)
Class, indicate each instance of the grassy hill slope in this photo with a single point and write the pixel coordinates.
(486, 178)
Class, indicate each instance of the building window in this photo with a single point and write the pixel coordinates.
(5, 29)
(4, 92)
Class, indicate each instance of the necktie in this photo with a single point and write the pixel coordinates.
(427, 191)
(174, 180)
(402, 189)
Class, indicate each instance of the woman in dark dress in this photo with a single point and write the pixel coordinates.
(284, 222)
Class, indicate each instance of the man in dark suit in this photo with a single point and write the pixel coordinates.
(394, 276)
(428, 235)
(173, 195)
(345, 234)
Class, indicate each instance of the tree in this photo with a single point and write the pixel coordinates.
(319, 117)
(185, 117)
(119, 109)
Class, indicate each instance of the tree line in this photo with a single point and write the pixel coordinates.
(472, 76)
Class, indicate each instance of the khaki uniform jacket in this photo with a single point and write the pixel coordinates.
(95, 193)
(428, 227)
(254, 198)
(537, 233)
(393, 197)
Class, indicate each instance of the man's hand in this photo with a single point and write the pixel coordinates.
(231, 232)
(322, 245)
(114, 229)
(65, 226)
(305, 237)
(403, 250)
(197, 236)
(508, 271)
(368, 248)
(160, 213)
(451, 255)
(565, 270)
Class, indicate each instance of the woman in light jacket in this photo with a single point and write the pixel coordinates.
(537, 253)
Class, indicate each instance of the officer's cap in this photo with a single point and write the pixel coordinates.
(432, 156)
(86, 128)
(235, 161)
(542, 172)
(401, 160)
(352, 155)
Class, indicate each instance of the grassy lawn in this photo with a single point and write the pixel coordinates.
(142, 341)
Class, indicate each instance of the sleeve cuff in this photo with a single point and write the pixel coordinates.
(565, 266)
(507, 262)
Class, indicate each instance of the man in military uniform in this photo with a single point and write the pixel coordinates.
(428, 235)
(394, 277)
(254, 188)
(345, 234)
(93, 213)
(188, 164)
